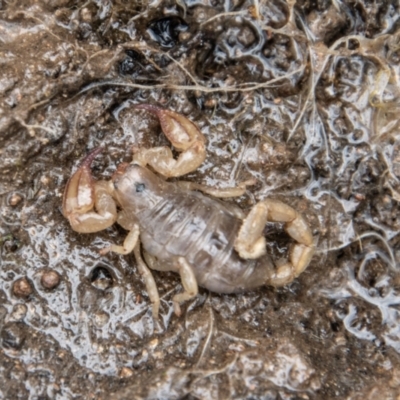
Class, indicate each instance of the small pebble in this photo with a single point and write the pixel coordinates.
(22, 288)
(359, 196)
(50, 279)
(19, 312)
(10, 244)
(125, 372)
(101, 278)
(210, 103)
(184, 36)
(101, 318)
(17, 373)
(14, 199)
(45, 180)
(62, 354)
(13, 335)
(86, 14)
(153, 344)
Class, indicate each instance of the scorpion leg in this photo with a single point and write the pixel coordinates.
(151, 287)
(158, 265)
(88, 205)
(189, 284)
(183, 135)
(218, 193)
(131, 243)
(236, 191)
(188, 279)
(250, 242)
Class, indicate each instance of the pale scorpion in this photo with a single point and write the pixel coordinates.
(209, 243)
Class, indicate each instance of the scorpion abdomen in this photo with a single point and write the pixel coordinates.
(202, 230)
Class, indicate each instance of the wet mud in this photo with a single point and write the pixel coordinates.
(301, 96)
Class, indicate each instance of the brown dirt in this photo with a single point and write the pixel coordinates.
(303, 97)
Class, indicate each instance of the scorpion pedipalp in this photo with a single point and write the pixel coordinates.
(183, 135)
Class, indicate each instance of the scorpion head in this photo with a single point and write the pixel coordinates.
(137, 187)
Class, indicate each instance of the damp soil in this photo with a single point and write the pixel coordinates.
(301, 96)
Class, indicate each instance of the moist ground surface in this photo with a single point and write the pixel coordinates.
(302, 96)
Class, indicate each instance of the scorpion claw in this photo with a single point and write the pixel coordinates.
(79, 191)
(180, 131)
(250, 242)
(183, 135)
(87, 204)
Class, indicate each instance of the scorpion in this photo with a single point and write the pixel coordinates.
(210, 243)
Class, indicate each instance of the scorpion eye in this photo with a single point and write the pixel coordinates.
(140, 187)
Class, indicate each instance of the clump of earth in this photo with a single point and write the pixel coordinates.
(302, 97)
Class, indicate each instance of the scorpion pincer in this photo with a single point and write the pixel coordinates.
(209, 243)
